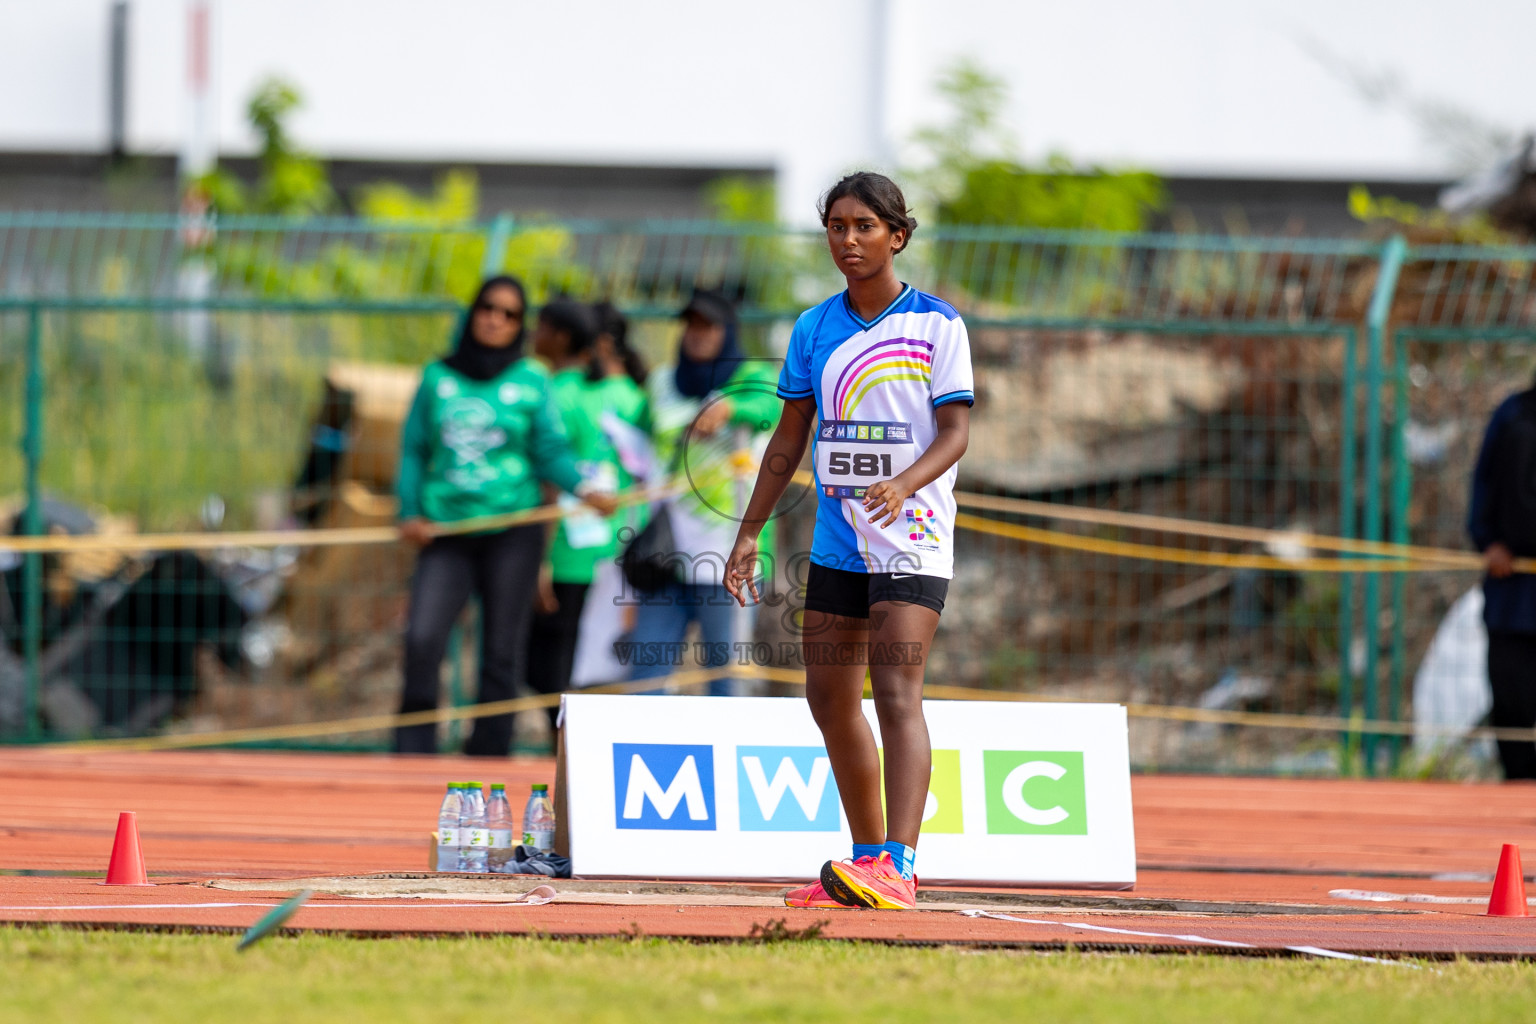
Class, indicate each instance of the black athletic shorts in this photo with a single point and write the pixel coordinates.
(849, 594)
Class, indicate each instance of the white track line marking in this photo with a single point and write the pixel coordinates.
(1201, 939)
(225, 906)
(1371, 896)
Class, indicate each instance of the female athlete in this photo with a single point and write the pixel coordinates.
(882, 373)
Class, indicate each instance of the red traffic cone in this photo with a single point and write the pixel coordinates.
(127, 864)
(1508, 899)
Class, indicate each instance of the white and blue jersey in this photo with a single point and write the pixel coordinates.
(876, 385)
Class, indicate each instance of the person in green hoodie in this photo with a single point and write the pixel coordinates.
(481, 435)
(593, 403)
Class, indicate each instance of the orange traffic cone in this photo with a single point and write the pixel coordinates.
(127, 864)
(1508, 899)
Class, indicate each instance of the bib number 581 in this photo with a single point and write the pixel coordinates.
(858, 464)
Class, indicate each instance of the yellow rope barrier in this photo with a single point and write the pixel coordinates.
(1390, 557)
(1217, 531)
(698, 677)
(1184, 556)
(335, 537)
(374, 723)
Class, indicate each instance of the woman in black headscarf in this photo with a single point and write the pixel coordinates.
(481, 437)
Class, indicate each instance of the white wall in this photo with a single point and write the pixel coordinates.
(1185, 85)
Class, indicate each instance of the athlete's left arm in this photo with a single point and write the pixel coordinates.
(886, 497)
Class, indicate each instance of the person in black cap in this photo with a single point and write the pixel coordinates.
(710, 414)
(1502, 523)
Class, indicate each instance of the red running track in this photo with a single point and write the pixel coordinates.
(267, 815)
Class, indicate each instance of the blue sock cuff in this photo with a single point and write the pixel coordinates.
(904, 857)
(867, 850)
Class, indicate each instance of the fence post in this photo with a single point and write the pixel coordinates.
(1375, 373)
(32, 523)
(497, 236)
(1348, 517)
(1402, 491)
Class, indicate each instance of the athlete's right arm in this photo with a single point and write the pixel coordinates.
(780, 460)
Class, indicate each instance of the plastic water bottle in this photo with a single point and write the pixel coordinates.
(448, 828)
(539, 820)
(498, 818)
(474, 837)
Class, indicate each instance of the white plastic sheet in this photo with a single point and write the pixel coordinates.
(1451, 690)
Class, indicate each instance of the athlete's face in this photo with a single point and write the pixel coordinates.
(497, 316)
(861, 243)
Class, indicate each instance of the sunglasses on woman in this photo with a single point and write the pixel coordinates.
(506, 312)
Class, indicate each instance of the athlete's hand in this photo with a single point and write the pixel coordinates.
(416, 532)
(1500, 560)
(741, 571)
(885, 499)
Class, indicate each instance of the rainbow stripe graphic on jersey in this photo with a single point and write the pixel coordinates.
(891, 360)
(920, 525)
(877, 384)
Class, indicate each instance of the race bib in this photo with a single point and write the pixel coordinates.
(852, 454)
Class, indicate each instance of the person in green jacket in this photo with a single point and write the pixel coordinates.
(481, 435)
(596, 399)
(710, 414)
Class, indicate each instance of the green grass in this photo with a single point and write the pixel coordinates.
(52, 974)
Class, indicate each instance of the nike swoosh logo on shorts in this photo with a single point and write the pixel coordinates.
(902, 576)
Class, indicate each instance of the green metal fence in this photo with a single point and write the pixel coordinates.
(168, 374)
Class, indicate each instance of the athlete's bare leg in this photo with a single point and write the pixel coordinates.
(835, 693)
(900, 637)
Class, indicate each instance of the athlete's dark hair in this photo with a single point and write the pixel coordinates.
(612, 323)
(877, 192)
(574, 318)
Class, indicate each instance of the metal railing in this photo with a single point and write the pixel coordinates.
(147, 363)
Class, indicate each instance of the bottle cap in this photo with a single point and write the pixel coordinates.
(498, 785)
(474, 785)
(541, 787)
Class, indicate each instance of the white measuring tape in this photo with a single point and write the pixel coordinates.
(1199, 939)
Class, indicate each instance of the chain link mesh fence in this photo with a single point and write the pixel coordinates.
(164, 375)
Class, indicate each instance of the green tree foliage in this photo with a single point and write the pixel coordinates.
(974, 177)
(292, 183)
(454, 200)
(438, 250)
(999, 193)
(972, 135)
(750, 256)
(1393, 214)
(740, 199)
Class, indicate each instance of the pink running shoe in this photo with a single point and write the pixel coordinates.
(812, 897)
(869, 882)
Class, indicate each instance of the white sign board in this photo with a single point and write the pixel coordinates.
(741, 788)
